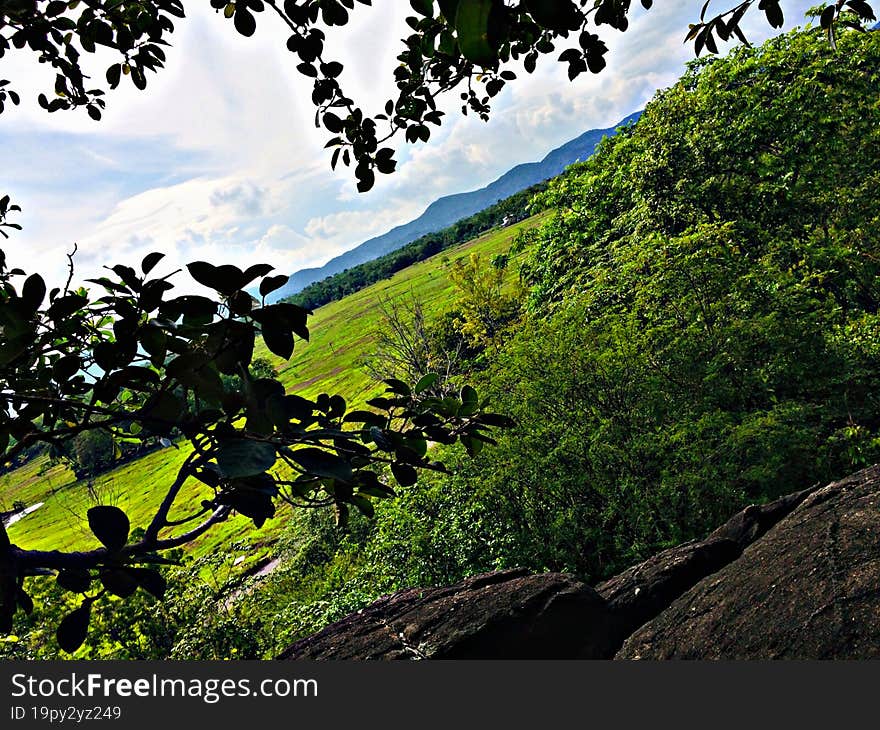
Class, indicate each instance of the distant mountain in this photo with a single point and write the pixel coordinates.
(446, 211)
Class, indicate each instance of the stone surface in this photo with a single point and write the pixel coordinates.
(644, 590)
(808, 589)
(503, 615)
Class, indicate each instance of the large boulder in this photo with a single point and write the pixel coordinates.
(503, 615)
(808, 589)
(798, 577)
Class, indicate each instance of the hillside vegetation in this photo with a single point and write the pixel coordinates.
(700, 331)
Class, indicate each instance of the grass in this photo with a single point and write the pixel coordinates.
(341, 336)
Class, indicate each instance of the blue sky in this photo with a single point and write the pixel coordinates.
(219, 159)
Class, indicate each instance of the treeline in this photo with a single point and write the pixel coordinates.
(512, 210)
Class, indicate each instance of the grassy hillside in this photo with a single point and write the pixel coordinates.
(342, 332)
(341, 335)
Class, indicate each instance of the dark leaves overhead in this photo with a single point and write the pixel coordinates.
(453, 44)
(130, 362)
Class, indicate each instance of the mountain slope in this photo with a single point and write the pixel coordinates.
(447, 210)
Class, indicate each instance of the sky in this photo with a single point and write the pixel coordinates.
(219, 159)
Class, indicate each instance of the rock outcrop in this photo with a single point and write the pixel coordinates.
(799, 578)
(503, 615)
(809, 589)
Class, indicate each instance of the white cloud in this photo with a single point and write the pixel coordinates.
(220, 159)
(339, 228)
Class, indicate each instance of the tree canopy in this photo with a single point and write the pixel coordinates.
(465, 45)
(137, 364)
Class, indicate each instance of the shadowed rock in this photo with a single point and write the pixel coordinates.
(798, 577)
(503, 615)
(643, 591)
(808, 589)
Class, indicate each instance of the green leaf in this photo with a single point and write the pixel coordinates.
(278, 340)
(245, 23)
(470, 401)
(224, 279)
(497, 420)
(150, 261)
(113, 74)
(423, 7)
(110, 525)
(243, 458)
(193, 372)
(155, 342)
(152, 581)
(118, 581)
(74, 627)
(297, 407)
(165, 407)
(558, 15)
(33, 291)
(472, 26)
(272, 283)
(397, 387)
(370, 417)
(64, 306)
(320, 463)
(449, 8)
(426, 382)
(364, 505)
(773, 12)
(255, 272)
(65, 368)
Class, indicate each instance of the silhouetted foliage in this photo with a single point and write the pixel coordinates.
(137, 363)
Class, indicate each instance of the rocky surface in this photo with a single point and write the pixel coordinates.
(640, 593)
(799, 578)
(504, 615)
(808, 589)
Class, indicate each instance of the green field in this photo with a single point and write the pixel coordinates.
(341, 335)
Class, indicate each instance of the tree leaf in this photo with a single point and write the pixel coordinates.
(320, 463)
(397, 387)
(244, 458)
(75, 580)
(472, 26)
(364, 505)
(74, 627)
(150, 580)
(426, 382)
(405, 474)
(118, 581)
(225, 279)
(33, 291)
(244, 22)
(558, 15)
(272, 283)
(110, 525)
(150, 261)
(279, 341)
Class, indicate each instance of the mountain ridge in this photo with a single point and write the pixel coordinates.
(449, 209)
